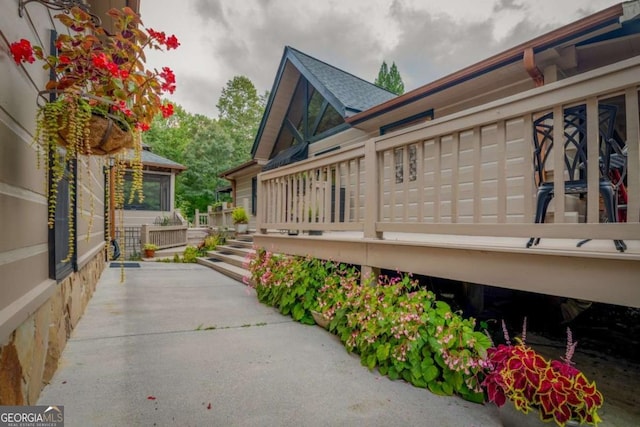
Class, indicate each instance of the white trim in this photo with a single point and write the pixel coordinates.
(14, 255)
(21, 193)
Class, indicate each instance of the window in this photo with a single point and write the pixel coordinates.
(156, 189)
(60, 264)
(399, 159)
(254, 195)
(413, 163)
(309, 118)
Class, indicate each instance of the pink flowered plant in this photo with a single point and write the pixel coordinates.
(559, 391)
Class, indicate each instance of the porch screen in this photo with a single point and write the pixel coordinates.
(156, 189)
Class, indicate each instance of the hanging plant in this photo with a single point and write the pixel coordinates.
(101, 96)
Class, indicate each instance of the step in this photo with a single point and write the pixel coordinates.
(167, 253)
(235, 249)
(228, 257)
(232, 271)
(244, 237)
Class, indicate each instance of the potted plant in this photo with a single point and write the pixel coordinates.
(240, 219)
(150, 250)
(101, 96)
(553, 390)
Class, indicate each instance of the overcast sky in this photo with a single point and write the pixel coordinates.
(427, 39)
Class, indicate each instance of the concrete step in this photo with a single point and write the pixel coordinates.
(245, 238)
(227, 257)
(168, 253)
(196, 235)
(240, 243)
(235, 249)
(229, 270)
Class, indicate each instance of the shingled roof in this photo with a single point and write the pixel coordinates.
(347, 94)
(151, 159)
(352, 93)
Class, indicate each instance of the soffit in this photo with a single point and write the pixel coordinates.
(277, 112)
(484, 88)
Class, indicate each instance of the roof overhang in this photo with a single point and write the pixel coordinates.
(248, 168)
(507, 68)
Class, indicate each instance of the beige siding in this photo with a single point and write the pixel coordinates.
(24, 258)
(23, 209)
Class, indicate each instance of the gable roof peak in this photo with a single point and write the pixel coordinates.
(351, 93)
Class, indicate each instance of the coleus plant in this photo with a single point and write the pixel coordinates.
(556, 389)
(96, 72)
(109, 67)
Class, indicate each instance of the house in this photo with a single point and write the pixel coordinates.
(156, 208)
(440, 181)
(42, 294)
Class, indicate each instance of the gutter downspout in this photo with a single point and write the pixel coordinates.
(531, 67)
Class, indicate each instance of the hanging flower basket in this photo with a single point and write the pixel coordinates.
(105, 136)
(96, 70)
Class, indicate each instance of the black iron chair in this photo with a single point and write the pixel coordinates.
(575, 160)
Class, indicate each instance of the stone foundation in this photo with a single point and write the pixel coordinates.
(30, 358)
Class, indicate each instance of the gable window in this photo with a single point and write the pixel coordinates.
(310, 117)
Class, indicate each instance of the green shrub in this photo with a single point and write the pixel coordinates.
(190, 254)
(392, 323)
(211, 242)
(289, 283)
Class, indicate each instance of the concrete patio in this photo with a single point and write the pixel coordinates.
(181, 344)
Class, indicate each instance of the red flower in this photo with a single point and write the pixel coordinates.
(22, 51)
(167, 110)
(172, 42)
(158, 35)
(63, 59)
(122, 106)
(169, 84)
(100, 60)
(143, 127)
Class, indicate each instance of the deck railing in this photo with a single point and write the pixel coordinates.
(163, 236)
(469, 173)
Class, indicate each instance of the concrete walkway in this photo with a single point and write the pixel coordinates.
(180, 344)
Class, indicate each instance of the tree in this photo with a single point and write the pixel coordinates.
(390, 79)
(210, 152)
(169, 137)
(240, 109)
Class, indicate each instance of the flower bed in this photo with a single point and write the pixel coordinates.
(395, 325)
(401, 329)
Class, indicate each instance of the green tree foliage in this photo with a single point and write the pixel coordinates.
(390, 79)
(240, 109)
(170, 137)
(209, 146)
(210, 152)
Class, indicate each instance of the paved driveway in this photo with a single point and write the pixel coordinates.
(180, 344)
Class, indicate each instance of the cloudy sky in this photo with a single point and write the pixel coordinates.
(427, 39)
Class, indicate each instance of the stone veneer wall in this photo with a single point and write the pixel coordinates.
(30, 357)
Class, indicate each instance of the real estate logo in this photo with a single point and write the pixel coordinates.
(32, 416)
